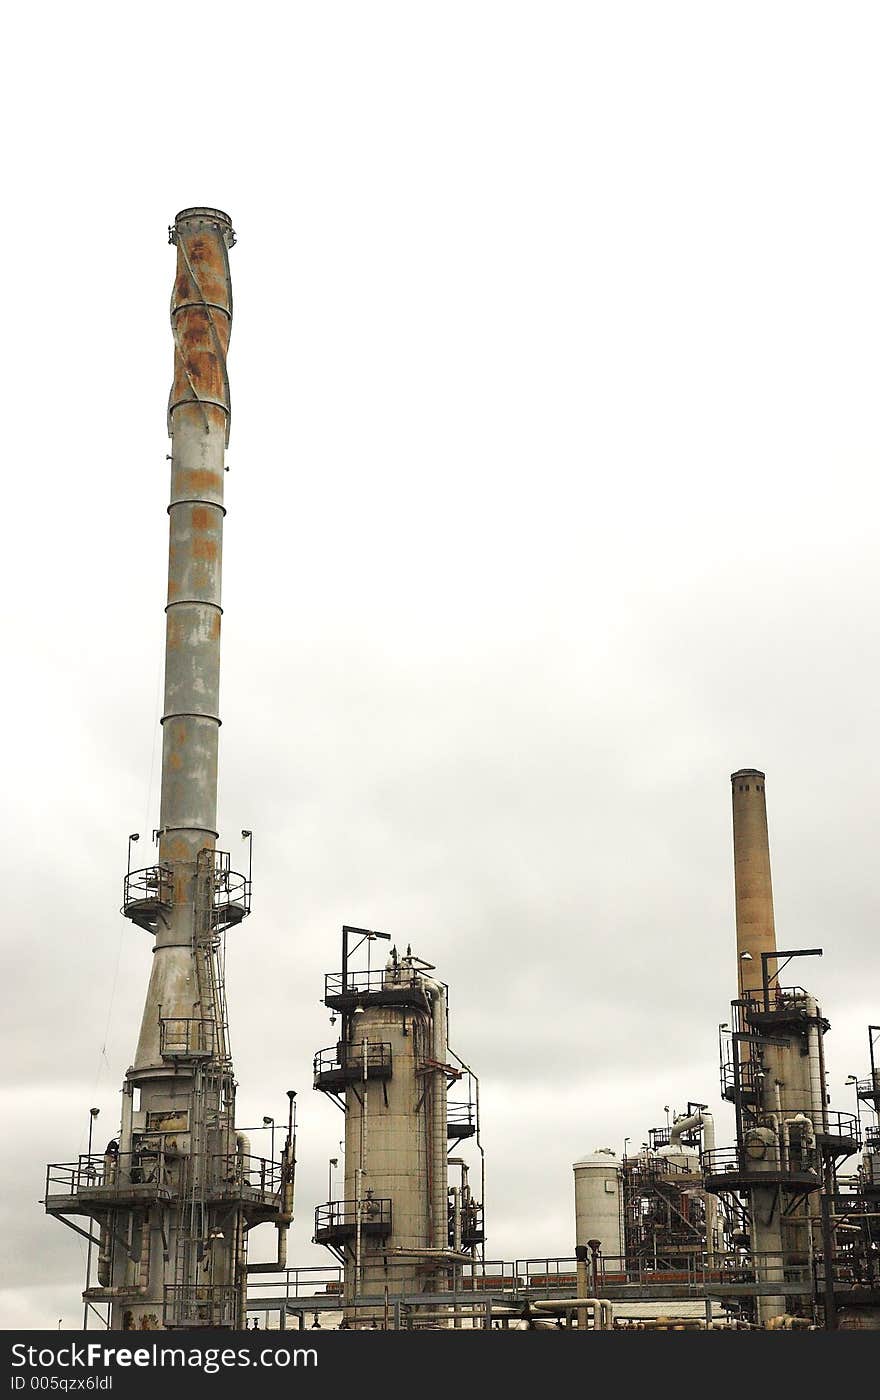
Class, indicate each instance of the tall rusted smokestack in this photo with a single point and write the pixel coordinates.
(198, 425)
(175, 1195)
(755, 927)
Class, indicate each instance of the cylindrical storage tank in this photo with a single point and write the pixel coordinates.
(680, 1159)
(598, 1204)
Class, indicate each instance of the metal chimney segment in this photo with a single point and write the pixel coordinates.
(198, 424)
(755, 924)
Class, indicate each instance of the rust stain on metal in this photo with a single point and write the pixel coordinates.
(175, 849)
(205, 549)
(198, 479)
(201, 518)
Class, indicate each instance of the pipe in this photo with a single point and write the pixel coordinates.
(456, 1244)
(412, 1251)
(105, 1249)
(284, 1220)
(701, 1119)
(145, 1255)
(818, 1095)
(359, 1174)
(439, 1179)
(780, 1128)
(241, 1269)
(105, 1255)
(808, 1139)
(602, 1309)
(243, 1155)
(583, 1280)
(141, 1289)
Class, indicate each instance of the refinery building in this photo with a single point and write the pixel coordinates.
(770, 1220)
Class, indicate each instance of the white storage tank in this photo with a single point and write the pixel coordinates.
(597, 1202)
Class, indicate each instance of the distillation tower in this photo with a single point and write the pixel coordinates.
(401, 1230)
(779, 1177)
(173, 1197)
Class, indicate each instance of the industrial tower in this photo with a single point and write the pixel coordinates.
(174, 1196)
(401, 1231)
(780, 1179)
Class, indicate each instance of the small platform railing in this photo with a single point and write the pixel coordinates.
(187, 1038)
(346, 1062)
(338, 1220)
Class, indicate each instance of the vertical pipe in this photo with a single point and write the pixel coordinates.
(755, 926)
(439, 1175)
(359, 1194)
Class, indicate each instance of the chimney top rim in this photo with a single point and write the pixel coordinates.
(206, 214)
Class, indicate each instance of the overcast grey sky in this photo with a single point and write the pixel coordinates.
(552, 500)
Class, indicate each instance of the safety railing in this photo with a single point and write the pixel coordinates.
(309, 1283)
(648, 1168)
(828, 1124)
(150, 891)
(232, 893)
(461, 1118)
(368, 983)
(187, 1038)
(347, 1061)
(691, 1276)
(114, 1175)
(72, 1178)
(342, 1219)
(662, 1137)
(246, 1177)
(757, 1159)
(779, 999)
(868, 1088)
(470, 1224)
(147, 893)
(741, 1076)
(111, 1175)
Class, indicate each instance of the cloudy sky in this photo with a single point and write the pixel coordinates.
(553, 499)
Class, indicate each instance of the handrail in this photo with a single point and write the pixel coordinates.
(371, 981)
(761, 1158)
(334, 1214)
(350, 1057)
(160, 1167)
